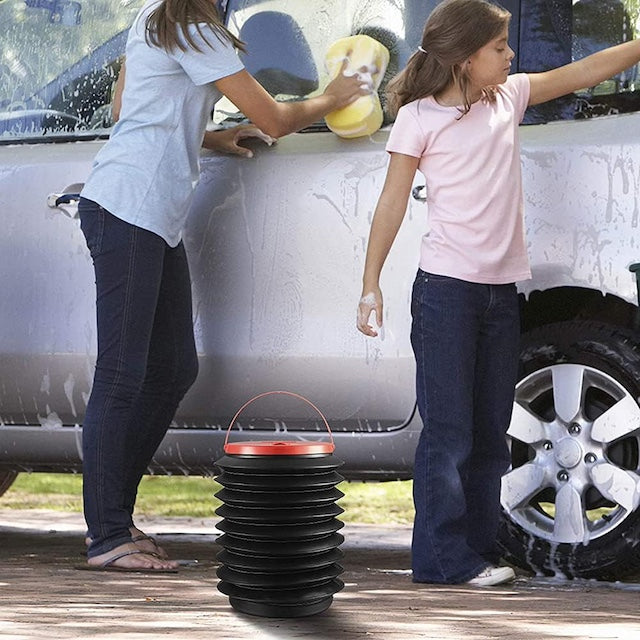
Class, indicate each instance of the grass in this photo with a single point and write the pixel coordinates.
(370, 503)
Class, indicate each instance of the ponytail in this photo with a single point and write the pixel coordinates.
(422, 76)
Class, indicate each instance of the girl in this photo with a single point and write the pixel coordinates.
(458, 111)
(180, 60)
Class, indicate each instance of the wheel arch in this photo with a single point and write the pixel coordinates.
(561, 304)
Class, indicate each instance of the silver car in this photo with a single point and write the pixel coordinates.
(276, 246)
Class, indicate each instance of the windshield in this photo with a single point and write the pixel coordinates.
(58, 62)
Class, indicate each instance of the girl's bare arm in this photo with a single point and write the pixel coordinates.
(387, 219)
(583, 73)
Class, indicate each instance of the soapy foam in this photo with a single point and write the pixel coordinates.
(369, 315)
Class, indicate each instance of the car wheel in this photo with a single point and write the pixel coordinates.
(6, 480)
(570, 498)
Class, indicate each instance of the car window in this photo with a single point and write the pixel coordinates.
(58, 62)
(59, 58)
(287, 39)
(556, 32)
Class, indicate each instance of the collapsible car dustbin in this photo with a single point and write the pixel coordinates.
(280, 539)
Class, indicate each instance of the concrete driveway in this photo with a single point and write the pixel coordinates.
(42, 595)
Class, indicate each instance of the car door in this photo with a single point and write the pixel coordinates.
(58, 62)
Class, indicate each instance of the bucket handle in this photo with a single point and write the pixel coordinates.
(285, 393)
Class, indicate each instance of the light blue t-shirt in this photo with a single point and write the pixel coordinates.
(147, 171)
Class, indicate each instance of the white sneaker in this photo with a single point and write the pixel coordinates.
(492, 576)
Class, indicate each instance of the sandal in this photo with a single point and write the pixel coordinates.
(109, 563)
(154, 549)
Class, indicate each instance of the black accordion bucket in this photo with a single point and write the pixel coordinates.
(280, 555)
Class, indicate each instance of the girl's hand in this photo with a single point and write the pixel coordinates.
(370, 301)
(227, 140)
(344, 89)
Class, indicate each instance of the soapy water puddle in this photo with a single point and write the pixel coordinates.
(546, 584)
(577, 584)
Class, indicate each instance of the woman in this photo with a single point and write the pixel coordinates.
(180, 60)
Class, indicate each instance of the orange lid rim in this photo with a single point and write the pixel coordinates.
(278, 448)
(275, 447)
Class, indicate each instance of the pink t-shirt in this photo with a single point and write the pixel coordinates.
(473, 183)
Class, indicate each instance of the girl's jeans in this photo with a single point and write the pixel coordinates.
(465, 339)
(146, 362)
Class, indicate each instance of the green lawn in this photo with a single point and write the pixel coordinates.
(373, 503)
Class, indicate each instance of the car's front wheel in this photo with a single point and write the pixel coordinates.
(570, 499)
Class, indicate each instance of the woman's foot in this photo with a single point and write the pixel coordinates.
(145, 543)
(129, 557)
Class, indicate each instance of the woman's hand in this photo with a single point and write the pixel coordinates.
(227, 140)
(371, 301)
(347, 87)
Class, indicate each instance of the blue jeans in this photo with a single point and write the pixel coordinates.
(465, 339)
(146, 362)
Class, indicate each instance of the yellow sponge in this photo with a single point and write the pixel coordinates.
(363, 116)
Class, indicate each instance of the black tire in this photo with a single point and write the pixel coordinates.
(543, 534)
(6, 480)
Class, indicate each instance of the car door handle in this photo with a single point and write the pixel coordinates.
(416, 193)
(56, 199)
(67, 201)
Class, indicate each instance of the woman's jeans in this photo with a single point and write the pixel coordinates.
(465, 339)
(146, 362)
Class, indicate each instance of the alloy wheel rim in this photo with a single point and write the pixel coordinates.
(574, 438)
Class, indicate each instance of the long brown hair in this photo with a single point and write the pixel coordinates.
(171, 19)
(454, 30)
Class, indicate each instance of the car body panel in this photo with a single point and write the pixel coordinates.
(262, 320)
(276, 243)
(581, 185)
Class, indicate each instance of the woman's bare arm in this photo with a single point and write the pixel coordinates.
(277, 119)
